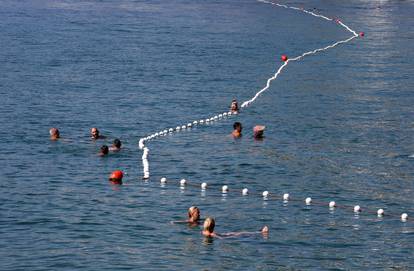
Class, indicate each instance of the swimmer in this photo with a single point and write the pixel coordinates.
(116, 146)
(237, 132)
(103, 151)
(208, 230)
(234, 107)
(258, 131)
(54, 134)
(193, 216)
(95, 134)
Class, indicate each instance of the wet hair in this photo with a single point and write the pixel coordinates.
(104, 149)
(117, 143)
(54, 132)
(209, 224)
(237, 125)
(191, 210)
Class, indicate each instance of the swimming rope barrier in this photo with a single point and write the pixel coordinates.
(142, 141)
(266, 195)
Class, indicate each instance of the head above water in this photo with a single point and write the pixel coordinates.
(54, 133)
(95, 133)
(193, 214)
(104, 149)
(258, 131)
(117, 143)
(237, 126)
(209, 224)
(234, 107)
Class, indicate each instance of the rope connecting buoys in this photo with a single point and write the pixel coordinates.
(267, 196)
(285, 60)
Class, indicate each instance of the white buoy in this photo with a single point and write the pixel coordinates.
(195, 122)
(207, 120)
(211, 119)
(229, 113)
(220, 115)
(203, 186)
(183, 182)
(332, 204)
(308, 201)
(183, 127)
(286, 197)
(380, 212)
(170, 130)
(178, 128)
(224, 189)
(357, 209)
(156, 134)
(265, 194)
(165, 131)
(201, 121)
(189, 125)
(216, 117)
(404, 217)
(141, 144)
(245, 191)
(224, 114)
(163, 180)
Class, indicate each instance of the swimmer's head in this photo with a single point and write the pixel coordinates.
(193, 214)
(237, 126)
(54, 133)
(234, 106)
(116, 177)
(95, 133)
(117, 143)
(258, 131)
(104, 150)
(209, 224)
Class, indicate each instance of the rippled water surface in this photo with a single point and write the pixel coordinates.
(339, 126)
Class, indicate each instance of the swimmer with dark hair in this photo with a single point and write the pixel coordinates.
(54, 134)
(103, 151)
(193, 216)
(237, 132)
(208, 230)
(234, 107)
(116, 145)
(95, 134)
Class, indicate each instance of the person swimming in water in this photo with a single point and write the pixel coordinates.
(54, 134)
(95, 134)
(103, 151)
(258, 131)
(237, 132)
(210, 223)
(116, 145)
(193, 216)
(234, 107)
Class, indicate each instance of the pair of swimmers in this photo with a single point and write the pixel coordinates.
(209, 225)
(258, 130)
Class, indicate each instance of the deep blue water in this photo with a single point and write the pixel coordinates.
(339, 126)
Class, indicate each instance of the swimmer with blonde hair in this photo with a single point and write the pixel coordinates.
(193, 216)
(210, 223)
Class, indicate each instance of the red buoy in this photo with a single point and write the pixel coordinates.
(116, 177)
(284, 58)
(361, 34)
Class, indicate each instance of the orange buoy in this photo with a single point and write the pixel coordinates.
(116, 177)
(284, 58)
(361, 34)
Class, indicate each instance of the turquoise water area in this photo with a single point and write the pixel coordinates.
(339, 126)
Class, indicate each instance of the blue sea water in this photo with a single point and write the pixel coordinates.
(339, 126)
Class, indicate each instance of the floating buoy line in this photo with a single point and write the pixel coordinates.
(266, 195)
